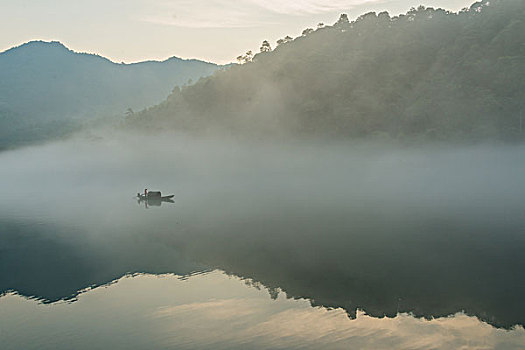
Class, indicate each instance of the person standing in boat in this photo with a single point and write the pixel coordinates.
(145, 192)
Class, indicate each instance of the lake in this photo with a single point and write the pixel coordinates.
(266, 246)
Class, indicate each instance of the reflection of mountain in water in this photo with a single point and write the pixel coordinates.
(428, 265)
(37, 261)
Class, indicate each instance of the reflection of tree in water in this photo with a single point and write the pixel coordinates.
(430, 269)
(36, 260)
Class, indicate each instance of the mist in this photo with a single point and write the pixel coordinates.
(329, 222)
(481, 177)
(357, 186)
(427, 75)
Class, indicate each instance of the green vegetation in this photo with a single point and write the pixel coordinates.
(429, 73)
(47, 90)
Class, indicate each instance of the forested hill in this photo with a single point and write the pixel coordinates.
(46, 89)
(49, 80)
(429, 73)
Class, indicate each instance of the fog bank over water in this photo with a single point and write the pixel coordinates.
(479, 177)
(432, 230)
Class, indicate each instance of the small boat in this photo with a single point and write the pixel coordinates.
(154, 195)
(154, 198)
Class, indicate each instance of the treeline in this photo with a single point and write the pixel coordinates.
(428, 73)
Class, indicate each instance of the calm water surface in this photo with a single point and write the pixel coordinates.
(266, 246)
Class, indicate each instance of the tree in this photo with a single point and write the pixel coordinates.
(265, 46)
(343, 20)
(285, 40)
(307, 31)
(384, 16)
(247, 57)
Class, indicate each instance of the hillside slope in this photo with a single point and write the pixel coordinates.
(429, 73)
(44, 83)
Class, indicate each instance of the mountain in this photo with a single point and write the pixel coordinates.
(429, 73)
(44, 83)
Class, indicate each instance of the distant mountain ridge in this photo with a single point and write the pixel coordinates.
(43, 82)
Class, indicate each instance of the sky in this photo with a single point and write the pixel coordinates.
(211, 30)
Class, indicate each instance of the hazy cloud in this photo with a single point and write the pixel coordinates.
(240, 14)
(302, 7)
(206, 14)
